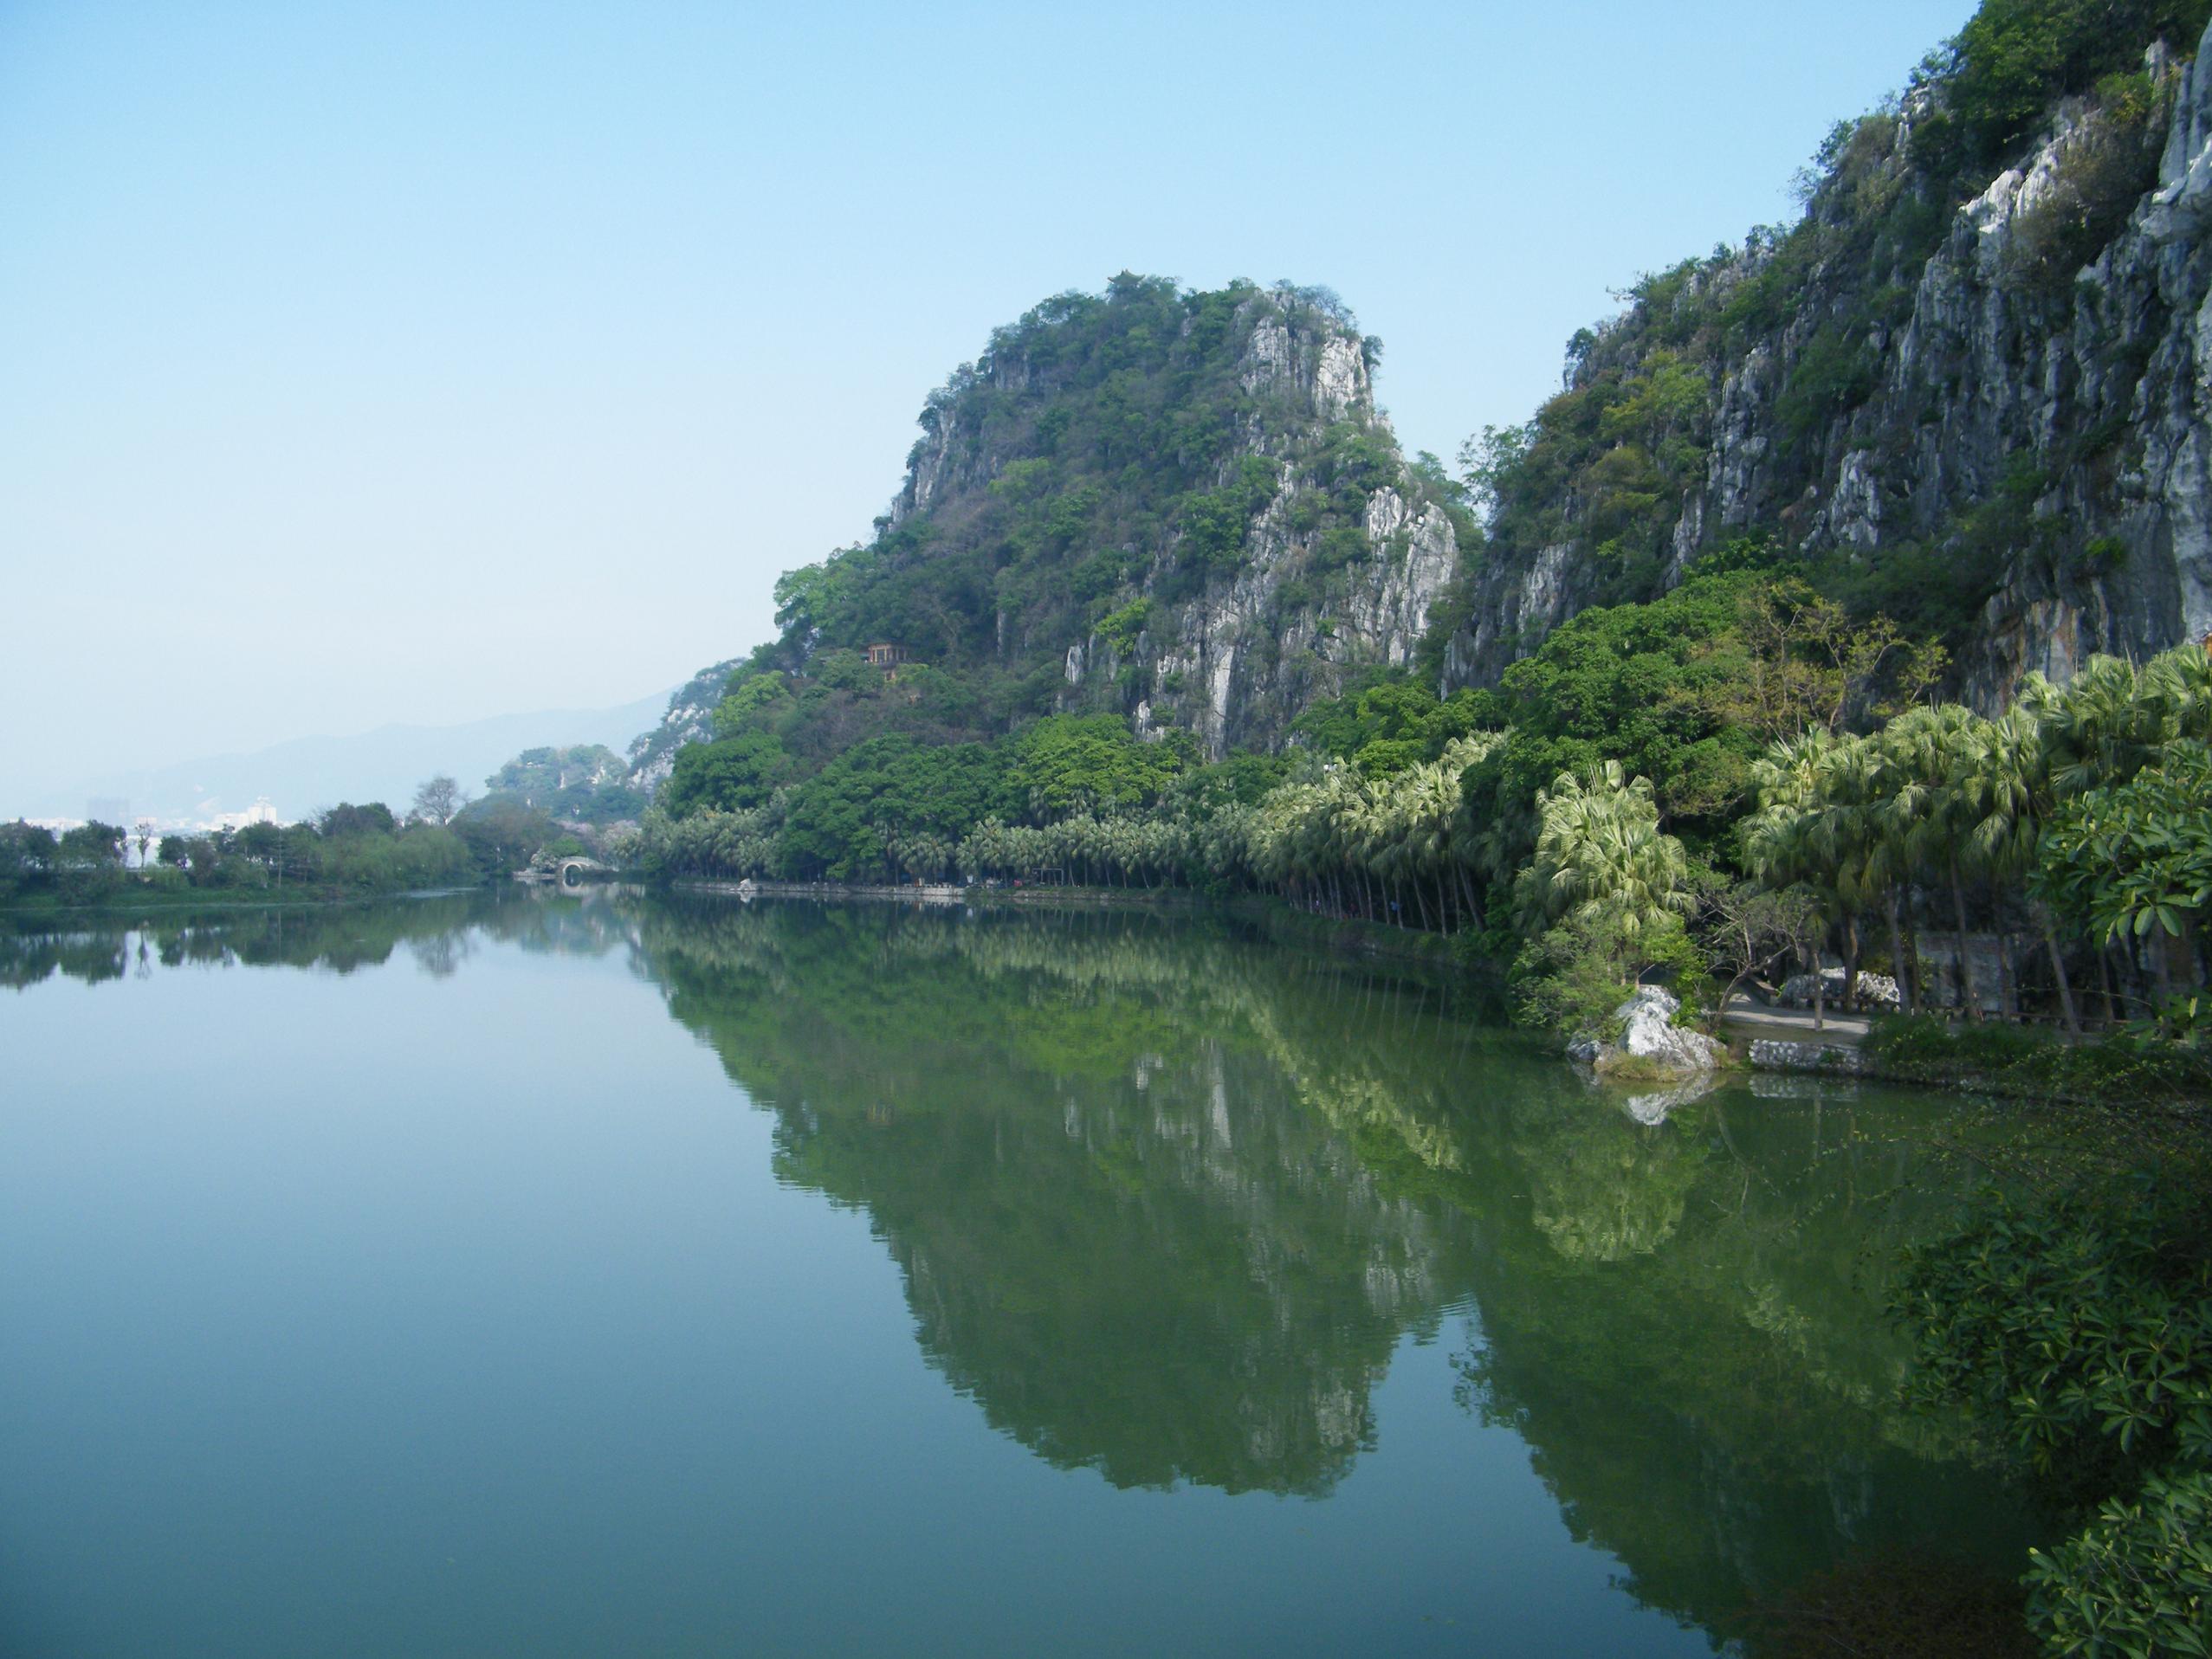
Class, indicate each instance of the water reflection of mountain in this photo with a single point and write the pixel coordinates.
(1116, 1234)
(1166, 1201)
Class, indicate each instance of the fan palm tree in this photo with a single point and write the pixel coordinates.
(1924, 746)
(1858, 781)
(2002, 797)
(1601, 853)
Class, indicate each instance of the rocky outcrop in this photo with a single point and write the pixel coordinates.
(1874, 990)
(1997, 392)
(1234, 659)
(1237, 663)
(689, 719)
(1649, 1040)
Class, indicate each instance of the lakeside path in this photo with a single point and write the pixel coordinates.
(1742, 1016)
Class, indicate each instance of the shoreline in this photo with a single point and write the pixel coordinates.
(164, 898)
(1840, 1055)
(1286, 923)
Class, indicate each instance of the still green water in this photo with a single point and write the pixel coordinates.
(538, 1275)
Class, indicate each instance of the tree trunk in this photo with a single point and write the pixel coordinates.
(2006, 985)
(1912, 954)
(1967, 992)
(2059, 972)
(1899, 965)
(1466, 888)
(1851, 963)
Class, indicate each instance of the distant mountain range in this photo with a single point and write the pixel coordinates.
(306, 773)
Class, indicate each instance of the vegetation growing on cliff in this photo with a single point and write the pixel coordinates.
(1823, 363)
(585, 782)
(1107, 461)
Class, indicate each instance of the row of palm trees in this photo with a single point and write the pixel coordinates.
(1396, 848)
(1942, 813)
(1389, 848)
(1926, 826)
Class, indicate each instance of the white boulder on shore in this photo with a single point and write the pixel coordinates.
(1649, 1034)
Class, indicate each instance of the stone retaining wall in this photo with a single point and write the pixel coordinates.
(1771, 1054)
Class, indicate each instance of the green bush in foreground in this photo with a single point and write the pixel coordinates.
(2080, 1328)
(2138, 1581)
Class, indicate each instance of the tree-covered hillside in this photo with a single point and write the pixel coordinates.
(1178, 508)
(586, 782)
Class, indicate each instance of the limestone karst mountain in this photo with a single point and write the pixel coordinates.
(1970, 386)
(1966, 391)
(1181, 507)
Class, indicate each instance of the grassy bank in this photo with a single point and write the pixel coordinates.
(2033, 1064)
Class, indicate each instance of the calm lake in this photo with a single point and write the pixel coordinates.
(535, 1274)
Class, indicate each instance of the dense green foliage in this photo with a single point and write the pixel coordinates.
(2030, 1063)
(1106, 460)
(588, 783)
(348, 851)
(2000, 817)
(1927, 830)
(2133, 859)
(2014, 58)
(2081, 1326)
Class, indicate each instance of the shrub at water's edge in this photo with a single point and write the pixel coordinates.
(2078, 1323)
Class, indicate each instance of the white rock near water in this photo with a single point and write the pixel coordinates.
(1650, 1035)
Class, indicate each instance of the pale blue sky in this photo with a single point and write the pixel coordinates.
(428, 362)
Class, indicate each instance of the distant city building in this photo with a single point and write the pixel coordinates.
(108, 809)
(260, 812)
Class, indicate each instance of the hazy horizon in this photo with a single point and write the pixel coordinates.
(419, 366)
(300, 777)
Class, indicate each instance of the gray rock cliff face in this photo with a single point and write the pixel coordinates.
(2079, 385)
(689, 719)
(1235, 663)
(1239, 662)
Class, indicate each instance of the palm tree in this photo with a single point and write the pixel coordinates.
(1858, 781)
(1601, 853)
(1783, 842)
(2003, 794)
(1923, 747)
